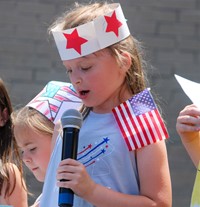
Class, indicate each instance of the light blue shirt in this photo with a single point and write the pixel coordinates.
(105, 155)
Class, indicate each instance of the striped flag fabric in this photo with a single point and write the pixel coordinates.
(140, 121)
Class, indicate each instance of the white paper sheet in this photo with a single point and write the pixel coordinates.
(191, 89)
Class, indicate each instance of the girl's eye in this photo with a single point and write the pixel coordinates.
(32, 149)
(68, 71)
(85, 68)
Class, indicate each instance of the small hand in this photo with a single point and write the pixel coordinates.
(188, 123)
(75, 177)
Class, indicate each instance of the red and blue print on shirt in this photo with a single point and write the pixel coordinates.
(140, 121)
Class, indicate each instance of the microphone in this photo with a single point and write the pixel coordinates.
(71, 121)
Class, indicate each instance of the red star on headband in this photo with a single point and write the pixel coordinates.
(113, 24)
(74, 41)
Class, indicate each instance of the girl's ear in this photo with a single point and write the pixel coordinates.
(4, 117)
(125, 61)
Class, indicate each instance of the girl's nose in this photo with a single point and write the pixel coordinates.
(26, 158)
(78, 81)
(75, 78)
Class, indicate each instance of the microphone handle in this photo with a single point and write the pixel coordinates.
(69, 150)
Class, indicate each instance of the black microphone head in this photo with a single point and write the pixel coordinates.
(72, 118)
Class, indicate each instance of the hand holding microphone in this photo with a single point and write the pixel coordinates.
(71, 123)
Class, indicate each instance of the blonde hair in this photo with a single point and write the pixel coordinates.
(135, 79)
(28, 117)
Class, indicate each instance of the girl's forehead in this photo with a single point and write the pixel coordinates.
(90, 57)
(76, 61)
(79, 59)
(23, 142)
(24, 135)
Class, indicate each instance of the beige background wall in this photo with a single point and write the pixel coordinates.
(170, 31)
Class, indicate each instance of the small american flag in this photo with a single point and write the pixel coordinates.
(139, 121)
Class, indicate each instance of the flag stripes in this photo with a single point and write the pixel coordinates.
(142, 129)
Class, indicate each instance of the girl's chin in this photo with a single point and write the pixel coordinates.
(39, 178)
(87, 104)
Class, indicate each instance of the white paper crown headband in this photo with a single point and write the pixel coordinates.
(55, 98)
(85, 39)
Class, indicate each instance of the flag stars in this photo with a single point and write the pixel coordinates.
(103, 151)
(143, 102)
(113, 24)
(106, 140)
(74, 41)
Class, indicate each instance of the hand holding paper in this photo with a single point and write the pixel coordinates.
(188, 121)
(191, 89)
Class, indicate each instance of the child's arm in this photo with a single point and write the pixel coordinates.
(188, 127)
(18, 197)
(155, 184)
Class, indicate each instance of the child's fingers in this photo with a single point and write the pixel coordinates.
(191, 110)
(187, 128)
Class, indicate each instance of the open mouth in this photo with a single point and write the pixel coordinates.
(83, 93)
